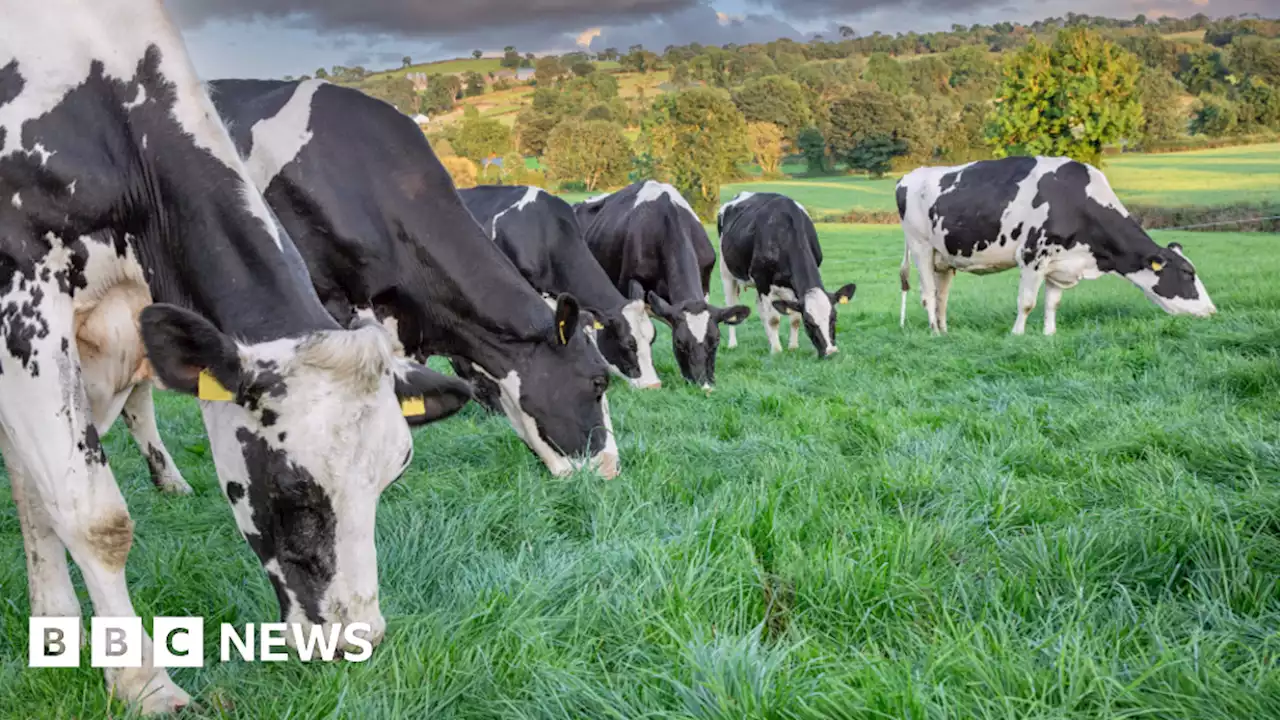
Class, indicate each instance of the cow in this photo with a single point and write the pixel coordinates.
(652, 246)
(384, 234)
(1055, 219)
(768, 241)
(135, 249)
(540, 234)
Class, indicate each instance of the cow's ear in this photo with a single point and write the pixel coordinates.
(787, 306)
(635, 291)
(188, 353)
(844, 294)
(731, 315)
(426, 395)
(1177, 247)
(661, 309)
(1155, 263)
(567, 315)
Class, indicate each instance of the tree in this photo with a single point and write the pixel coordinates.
(583, 68)
(846, 31)
(971, 68)
(774, 99)
(477, 54)
(441, 95)
(875, 154)
(322, 74)
(462, 170)
(872, 118)
(510, 58)
(594, 152)
(406, 61)
(1259, 106)
(929, 76)
(1070, 98)
(697, 137)
(813, 146)
(397, 91)
(547, 71)
(475, 84)
(1257, 57)
(482, 138)
(532, 130)
(765, 142)
(1162, 114)
(1214, 116)
(887, 73)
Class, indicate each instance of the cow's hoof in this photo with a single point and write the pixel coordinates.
(150, 690)
(174, 485)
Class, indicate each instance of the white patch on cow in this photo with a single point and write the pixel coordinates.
(1201, 306)
(642, 331)
(817, 306)
(71, 188)
(742, 197)
(42, 152)
(1066, 268)
(596, 199)
(698, 324)
(16, 201)
(530, 196)
(769, 315)
(389, 322)
(1099, 190)
(144, 141)
(138, 98)
(652, 190)
(527, 429)
(278, 139)
(803, 210)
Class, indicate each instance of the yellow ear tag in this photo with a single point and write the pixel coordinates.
(598, 326)
(1156, 266)
(210, 389)
(413, 407)
(562, 340)
(844, 301)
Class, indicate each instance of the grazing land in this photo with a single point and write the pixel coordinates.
(971, 526)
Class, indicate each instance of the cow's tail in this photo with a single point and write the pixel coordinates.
(903, 275)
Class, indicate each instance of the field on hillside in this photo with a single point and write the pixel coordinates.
(971, 526)
(1204, 177)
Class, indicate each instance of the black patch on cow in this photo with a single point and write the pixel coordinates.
(156, 465)
(264, 380)
(295, 522)
(282, 596)
(901, 194)
(235, 492)
(22, 323)
(91, 446)
(970, 212)
(269, 417)
(11, 84)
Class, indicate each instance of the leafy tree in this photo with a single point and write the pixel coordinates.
(1259, 105)
(475, 84)
(406, 61)
(1257, 57)
(594, 152)
(510, 58)
(441, 95)
(547, 71)
(1214, 116)
(680, 74)
(462, 170)
(965, 138)
(1154, 51)
(765, 142)
(477, 54)
(972, 69)
(698, 137)
(874, 154)
(1202, 70)
(1162, 115)
(322, 74)
(583, 68)
(482, 138)
(928, 76)
(887, 73)
(532, 130)
(397, 91)
(865, 117)
(1069, 98)
(813, 146)
(774, 99)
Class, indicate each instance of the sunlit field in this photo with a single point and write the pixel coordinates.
(970, 526)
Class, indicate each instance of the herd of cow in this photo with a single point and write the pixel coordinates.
(292, 252)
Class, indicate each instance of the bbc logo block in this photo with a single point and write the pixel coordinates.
(53, 642)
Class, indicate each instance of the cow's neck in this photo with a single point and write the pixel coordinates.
(684, 278)
(592, 287)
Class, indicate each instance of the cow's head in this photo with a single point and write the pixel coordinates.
(819, 313)
(306, 433)
(1169, 279)
(695, 334)
(625, 338)
(554, 395)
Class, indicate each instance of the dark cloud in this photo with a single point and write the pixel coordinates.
(700, 24)
(926, 11)
(419, 17)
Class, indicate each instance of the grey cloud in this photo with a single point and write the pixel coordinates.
(925, 11)
(699, 24)
(418, 17)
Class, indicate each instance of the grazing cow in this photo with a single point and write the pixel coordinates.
(1055, 219)
(383, 233)
(653, 246)
(120, 187)
(768, 241)
(539, 233)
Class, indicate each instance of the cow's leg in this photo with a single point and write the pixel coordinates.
(795, 332)
(732, 290)
(49, 584)
(772, 320)
(140, 416)
(47, 428)
(922, 253)
(1028, 289)
(944, 279)
(1052, 297)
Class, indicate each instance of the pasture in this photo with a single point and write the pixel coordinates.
(970, 526)
(1224, 176)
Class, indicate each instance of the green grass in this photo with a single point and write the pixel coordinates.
(974, 526)
(460, 65)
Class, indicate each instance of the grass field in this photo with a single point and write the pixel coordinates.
(975, 526)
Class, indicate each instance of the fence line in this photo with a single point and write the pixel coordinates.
(1221, 222)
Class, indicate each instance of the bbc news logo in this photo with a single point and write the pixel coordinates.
(178, 642)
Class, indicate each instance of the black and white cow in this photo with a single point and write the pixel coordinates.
(120, 187)
(1055, 219)
(652, 245)
(540, 234)
(384, 234)
(768, 241)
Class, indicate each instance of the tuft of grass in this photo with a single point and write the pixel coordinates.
(969, 526)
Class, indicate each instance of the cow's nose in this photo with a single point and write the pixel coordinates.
(832, 351)
(652, 385)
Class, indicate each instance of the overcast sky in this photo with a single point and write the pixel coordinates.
(272, 38)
